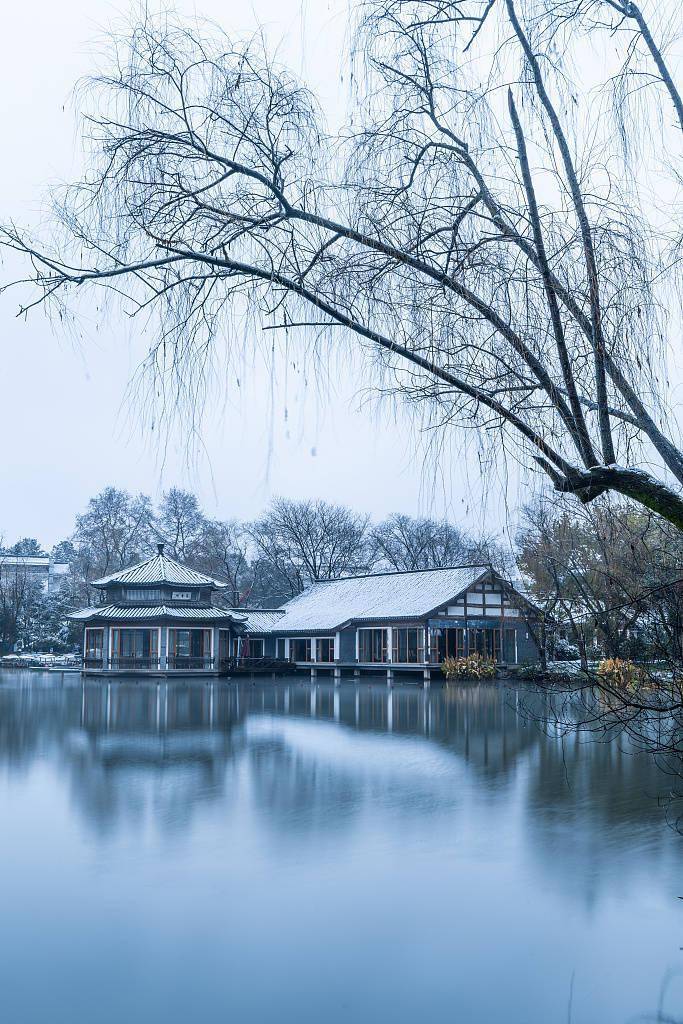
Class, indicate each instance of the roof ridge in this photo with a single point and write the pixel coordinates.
(251, 608)
(402, 572)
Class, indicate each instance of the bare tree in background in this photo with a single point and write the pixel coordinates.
(115, 531)
(180, 522)
(404, 543)
(484, 228)
(302, 542)
(223, 550)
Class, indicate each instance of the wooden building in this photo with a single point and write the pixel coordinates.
(399, 621)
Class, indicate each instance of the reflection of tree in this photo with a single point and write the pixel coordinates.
(595, 806)
(34, 717)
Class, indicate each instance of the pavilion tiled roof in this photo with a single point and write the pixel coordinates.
(160, 569)
(378, 596)
(115, 612)
(260, 620)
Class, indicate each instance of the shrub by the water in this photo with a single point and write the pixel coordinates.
(565, 650)
(474, 666)
(620, 673)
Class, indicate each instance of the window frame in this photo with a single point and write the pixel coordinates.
(403, 633)
(117, 645)
(373, 648)
(330, 640)
(306, 641)
(93, 653)
(206, 633)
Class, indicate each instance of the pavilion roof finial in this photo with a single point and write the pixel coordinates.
(160, 547)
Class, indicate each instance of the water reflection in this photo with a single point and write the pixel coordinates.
(460, 834)
(185, 736)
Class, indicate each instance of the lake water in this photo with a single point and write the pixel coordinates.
(255, 853)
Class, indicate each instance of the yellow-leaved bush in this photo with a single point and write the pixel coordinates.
(474, 666)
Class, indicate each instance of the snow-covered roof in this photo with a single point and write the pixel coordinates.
(260, 620)
(160, 569)
(40, 561)
(114, 612)
(379, 596)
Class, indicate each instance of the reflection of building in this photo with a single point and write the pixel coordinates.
(35, 568)
(399, 620)
(157, 616)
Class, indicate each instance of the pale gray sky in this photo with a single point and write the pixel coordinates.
(66, 427)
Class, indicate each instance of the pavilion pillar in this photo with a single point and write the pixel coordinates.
(163, 649)
(105, 647)
(215, 649)
(390, 654)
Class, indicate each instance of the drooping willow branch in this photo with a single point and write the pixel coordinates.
(464, 245)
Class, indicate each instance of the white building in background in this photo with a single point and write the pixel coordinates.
(51, 575)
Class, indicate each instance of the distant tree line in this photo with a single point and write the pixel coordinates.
(268, 560)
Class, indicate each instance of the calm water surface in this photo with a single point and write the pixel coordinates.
(182, 853)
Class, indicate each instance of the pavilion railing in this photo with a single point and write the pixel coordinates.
(125, 663)
(261, 664)
(90, 662)
(181, 662)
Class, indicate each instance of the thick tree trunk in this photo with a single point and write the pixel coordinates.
(632, 483)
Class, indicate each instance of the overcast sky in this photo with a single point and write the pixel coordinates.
(67, 427)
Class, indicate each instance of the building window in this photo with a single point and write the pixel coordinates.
(280, 648)
(142, 594)
(300, 649)
(485, 642)
(510, 646)
(252, 647)
(447, 643)
(93, 648)
(189, 648)
(223, 644)
(408, 645)
(372, 645)
(325, 649)
(135, 648)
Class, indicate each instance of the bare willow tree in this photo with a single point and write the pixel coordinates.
(485, 227)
